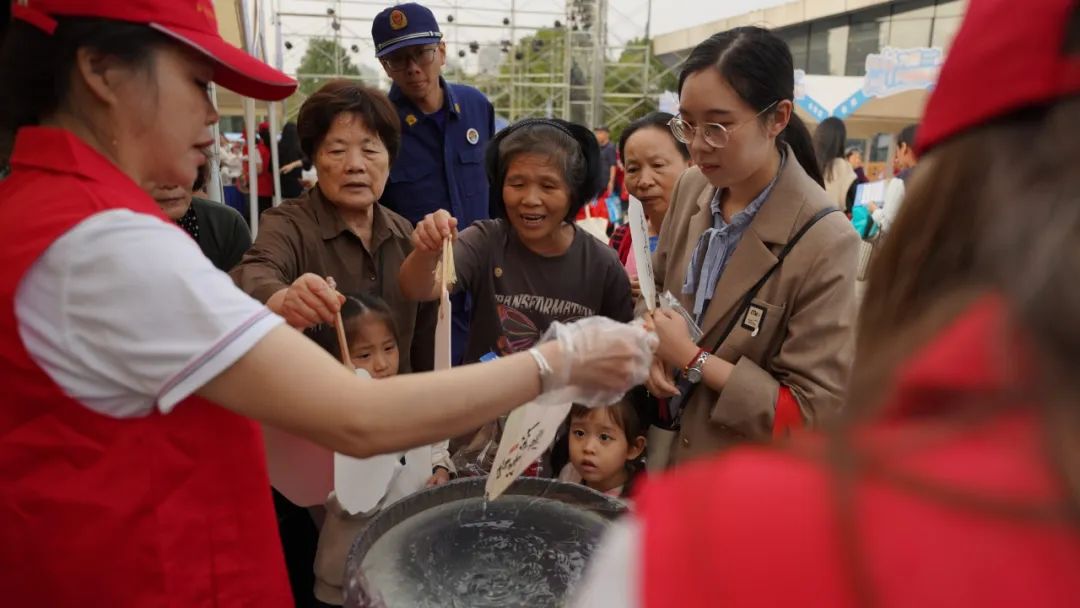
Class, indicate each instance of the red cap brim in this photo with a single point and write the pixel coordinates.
(236, 70)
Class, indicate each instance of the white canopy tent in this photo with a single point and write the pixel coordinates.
(892, 94)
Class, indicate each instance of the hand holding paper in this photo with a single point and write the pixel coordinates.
(595, 352)
(871, 193)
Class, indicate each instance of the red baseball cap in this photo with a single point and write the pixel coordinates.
(190, 22)
(1008, 55)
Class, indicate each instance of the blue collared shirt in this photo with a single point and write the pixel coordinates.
(441, 161)
(717, 244)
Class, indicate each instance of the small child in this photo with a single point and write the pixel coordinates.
(373, 347)
(607, 446)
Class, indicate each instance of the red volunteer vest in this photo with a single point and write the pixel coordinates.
(266, 176)
(163, 510)
(758, 528)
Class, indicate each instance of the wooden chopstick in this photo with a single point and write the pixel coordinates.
(343, 343)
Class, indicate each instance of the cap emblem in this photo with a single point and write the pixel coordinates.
(398, 20)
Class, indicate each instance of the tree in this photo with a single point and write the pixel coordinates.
(323, 60)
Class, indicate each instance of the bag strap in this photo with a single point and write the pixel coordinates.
(744, 305)
(752, 293)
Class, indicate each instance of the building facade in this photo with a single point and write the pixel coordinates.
(833, 38)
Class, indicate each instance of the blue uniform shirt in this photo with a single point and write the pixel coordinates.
(441, 161)
(440, 165)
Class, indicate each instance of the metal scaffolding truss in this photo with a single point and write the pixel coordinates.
(583, 60)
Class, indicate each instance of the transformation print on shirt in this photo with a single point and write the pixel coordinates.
(521, 314)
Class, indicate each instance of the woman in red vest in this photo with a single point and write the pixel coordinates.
(955, 478)
(266, 170)
(133, 371)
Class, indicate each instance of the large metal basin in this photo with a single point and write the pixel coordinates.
(447, 547)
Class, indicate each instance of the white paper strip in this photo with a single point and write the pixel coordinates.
(639, 234)
(529, 431)
(360, 483)
(442, 332)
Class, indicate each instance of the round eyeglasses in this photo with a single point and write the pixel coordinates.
(715, 134)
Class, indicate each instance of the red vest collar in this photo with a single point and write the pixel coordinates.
(61, 151)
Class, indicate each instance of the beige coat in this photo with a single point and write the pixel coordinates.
(805, 342)
(842, 178)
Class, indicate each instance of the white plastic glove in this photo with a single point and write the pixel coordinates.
(601, 360)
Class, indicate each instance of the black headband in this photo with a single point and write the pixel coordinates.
(593, 184)
(517, 126)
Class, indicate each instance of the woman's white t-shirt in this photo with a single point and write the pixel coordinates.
(126, 314)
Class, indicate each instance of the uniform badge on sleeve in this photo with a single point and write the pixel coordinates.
(472, 135)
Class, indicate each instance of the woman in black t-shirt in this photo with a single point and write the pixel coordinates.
(533, 266)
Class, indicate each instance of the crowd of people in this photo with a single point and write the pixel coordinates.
(927, 329)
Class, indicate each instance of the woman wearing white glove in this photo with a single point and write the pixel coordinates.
(133, 368)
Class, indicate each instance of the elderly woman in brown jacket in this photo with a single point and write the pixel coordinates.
(337, 229)
(778, 343)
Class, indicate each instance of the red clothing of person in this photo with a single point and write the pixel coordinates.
(622, 242)
(596, 208)
(160, 510)
(266, 176)
(759, 528)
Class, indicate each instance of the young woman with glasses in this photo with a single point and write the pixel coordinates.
(778, 357)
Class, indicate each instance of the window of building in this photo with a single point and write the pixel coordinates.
(868, 34)
(913, 9)
(911, 24)
(856, 144)
(798, 40)
(828, 47)
(879, 147)
(949, 8)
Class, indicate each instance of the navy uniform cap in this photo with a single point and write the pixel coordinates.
(403, 25)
